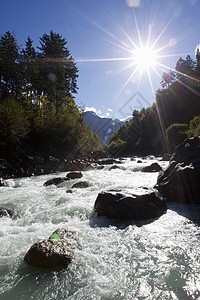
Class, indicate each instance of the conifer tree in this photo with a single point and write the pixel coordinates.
(9, 68)
(57, 69)
(29, 67)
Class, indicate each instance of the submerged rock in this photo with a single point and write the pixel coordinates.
(5, 212)
(128, 206)
(109, 161)
(2, 183)
(155, 167)
(74, 175)
(114, 167)
(180, 181)
(56, 181)
(56, 251)
(81, 184)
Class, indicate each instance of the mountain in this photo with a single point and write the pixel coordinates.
(104, 127)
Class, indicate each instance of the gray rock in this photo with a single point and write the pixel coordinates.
(69, 191)
(74, 175)
(2, 183)
(114, 167)
(81, 184)
(109, 161)
(180, 181)
(56, 181)
(155, 167)
(56, 251)
(5, 212)
(166, 157)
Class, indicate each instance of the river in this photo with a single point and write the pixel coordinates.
(118, 260)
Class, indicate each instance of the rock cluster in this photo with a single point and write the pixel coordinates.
(180, 181)
(27, 165)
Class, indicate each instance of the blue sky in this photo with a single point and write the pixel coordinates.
(101, 36)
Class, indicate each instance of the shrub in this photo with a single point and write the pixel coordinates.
(194, 127)
(176, 134)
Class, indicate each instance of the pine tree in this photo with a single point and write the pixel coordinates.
(185, 68)
(57, 69)
(29, 67)
(9, 67)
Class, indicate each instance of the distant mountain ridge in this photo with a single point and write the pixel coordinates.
(104, 127)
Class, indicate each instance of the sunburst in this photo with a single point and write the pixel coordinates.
(144, 56)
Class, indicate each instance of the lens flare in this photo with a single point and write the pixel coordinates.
(133, 3)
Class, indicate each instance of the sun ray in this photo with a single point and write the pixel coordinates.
(162, 32)
(139, 80)
(117, 44)
(149, 34)
(143, 56)
(104, 59)
(172, 55)
(122, 29)
(156, 72)
(150, 81)
(125, 84)
(125, 68)
(137, 28)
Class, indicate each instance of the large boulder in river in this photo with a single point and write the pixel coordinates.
(180, 181)
(154, 167)
(128, 206)
(56, 251)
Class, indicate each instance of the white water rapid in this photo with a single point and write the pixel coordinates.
(155, 260)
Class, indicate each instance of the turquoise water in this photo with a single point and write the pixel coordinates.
(155, 260)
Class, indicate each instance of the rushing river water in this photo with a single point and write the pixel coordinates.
(155, 260)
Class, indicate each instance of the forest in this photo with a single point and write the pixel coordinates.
(38, 114)
(173, 117)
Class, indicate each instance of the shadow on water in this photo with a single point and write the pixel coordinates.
(31, 282)
(102, 221)
(191, 211)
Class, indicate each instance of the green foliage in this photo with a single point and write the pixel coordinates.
(57, 69)
(139, 135)
(9, 67)
(116, 145)
(37, 110)
(194, 127)
(176, 134)
(14, 126)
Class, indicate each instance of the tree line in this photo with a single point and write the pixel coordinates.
(174, 116)
(38, 113)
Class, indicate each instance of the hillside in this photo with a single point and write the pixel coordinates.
(104, 127)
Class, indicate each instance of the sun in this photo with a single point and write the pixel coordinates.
(144, 58)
